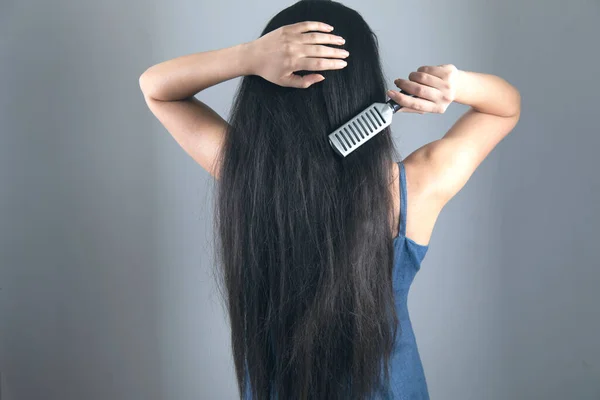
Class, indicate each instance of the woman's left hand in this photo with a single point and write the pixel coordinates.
(278, 54)
(430, 89)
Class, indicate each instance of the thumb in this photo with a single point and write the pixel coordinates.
(410, 110)
(305, 81)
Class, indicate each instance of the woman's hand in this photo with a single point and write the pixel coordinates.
(433, 88)
(278, 54)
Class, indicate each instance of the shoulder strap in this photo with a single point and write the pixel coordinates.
(402, 225)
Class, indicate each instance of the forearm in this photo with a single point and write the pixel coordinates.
(184, 76)
(488, 94)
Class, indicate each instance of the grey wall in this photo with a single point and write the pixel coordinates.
(106, 287)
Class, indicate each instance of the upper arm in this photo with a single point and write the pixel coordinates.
(196, 127)
(445, 165)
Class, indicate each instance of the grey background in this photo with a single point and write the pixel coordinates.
(106, 288)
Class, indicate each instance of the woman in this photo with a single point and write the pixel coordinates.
(317, 251)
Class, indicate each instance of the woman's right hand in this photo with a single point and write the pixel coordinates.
(433, 88)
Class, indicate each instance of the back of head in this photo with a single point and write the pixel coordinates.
(305, 238)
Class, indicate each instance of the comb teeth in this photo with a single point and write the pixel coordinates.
(361, 128)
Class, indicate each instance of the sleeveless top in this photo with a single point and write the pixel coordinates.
(407, 377)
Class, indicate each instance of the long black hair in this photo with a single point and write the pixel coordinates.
(305, 237)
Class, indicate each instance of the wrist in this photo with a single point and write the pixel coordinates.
(461, 87)
(246, 63)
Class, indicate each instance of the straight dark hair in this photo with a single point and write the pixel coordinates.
(305, 239)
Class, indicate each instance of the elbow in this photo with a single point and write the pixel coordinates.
(517, 103)
(145, 82)
(515, 115)
(515, 109)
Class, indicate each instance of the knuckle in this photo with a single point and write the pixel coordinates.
(313, 36)
(416, 76)
(419, 91)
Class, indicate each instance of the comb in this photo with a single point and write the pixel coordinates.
(363, 127)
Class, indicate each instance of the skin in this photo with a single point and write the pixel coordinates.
(435, 172)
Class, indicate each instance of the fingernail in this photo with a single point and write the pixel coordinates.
(341, 39)
(344, 63)
(390, 93)
(330, 27)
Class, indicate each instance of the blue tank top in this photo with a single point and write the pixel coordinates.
(407, 378)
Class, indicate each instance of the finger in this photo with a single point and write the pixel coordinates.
(321, 38)
(410, 111)
(324, 52)
(437, 71)
(419, 90)
(306, 26)
(415, 103)
(305, 81)
(319, 64)
(428, 80)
